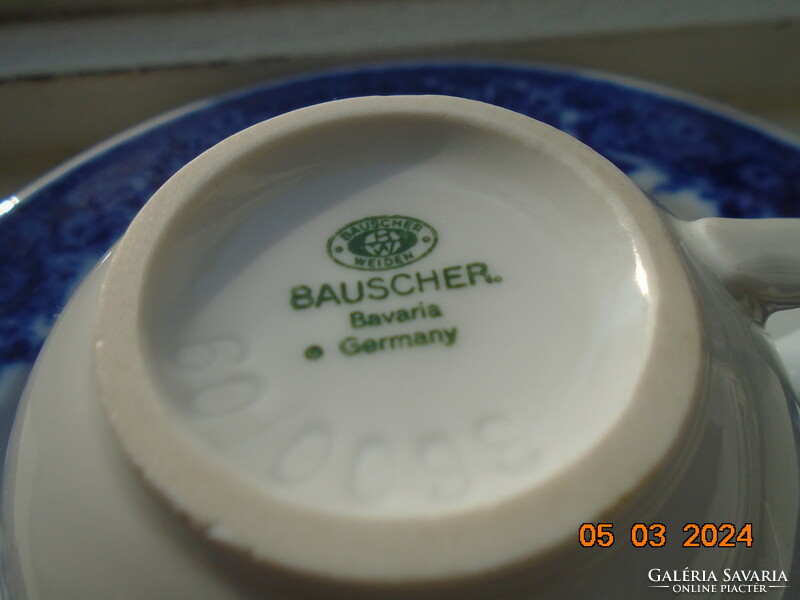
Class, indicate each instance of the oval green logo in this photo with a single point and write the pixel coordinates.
(382, 242)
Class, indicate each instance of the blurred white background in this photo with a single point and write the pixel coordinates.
(73, 72)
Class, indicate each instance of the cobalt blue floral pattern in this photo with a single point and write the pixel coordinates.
(51, 239)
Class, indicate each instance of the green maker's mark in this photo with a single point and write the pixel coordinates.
(382, 242)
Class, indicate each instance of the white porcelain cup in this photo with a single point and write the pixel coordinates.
(412, 347)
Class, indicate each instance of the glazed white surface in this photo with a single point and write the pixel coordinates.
(544, 331)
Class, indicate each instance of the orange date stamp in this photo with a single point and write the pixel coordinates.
(654, 535)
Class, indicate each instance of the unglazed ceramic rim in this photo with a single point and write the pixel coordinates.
(236, 512)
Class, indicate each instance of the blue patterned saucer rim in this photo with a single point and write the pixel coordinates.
(671, 143)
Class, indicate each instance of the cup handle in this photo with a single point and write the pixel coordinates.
(758, 260)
